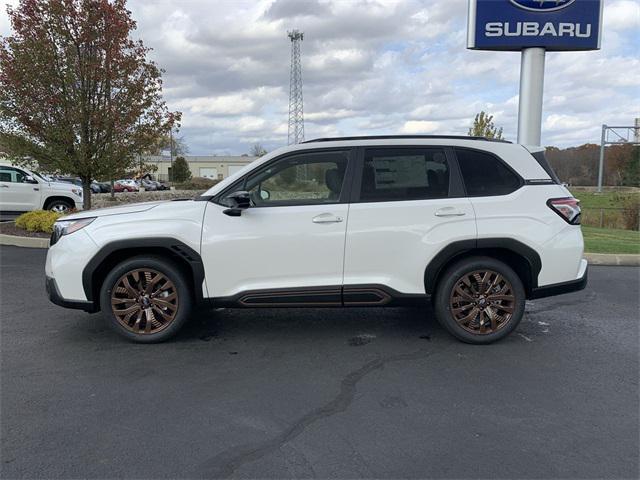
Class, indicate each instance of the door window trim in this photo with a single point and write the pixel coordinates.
(346, 182)
(456, 187)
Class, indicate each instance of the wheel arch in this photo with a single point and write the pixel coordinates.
(49, 200)
(186, 258)
(524, 260)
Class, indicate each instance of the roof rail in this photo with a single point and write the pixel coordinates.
(391, 137)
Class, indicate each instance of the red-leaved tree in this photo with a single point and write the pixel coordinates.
(77, 93)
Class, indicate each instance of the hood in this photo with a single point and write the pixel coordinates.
(117, 210)
(63, 186)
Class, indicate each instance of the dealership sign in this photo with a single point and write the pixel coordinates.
(559, 25)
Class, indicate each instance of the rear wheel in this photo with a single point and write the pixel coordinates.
(480, 300)
(146, 299)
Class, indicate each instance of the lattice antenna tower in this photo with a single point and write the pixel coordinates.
(296, 111)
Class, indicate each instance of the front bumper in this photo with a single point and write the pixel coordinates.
(561, 288)
(55, 297)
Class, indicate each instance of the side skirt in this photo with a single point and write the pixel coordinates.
(329, 296)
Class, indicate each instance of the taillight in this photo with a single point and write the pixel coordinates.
(568, 208)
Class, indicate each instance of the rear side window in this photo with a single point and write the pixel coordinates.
(485, 175)
(404, 174)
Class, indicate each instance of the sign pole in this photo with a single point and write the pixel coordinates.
(531, 91)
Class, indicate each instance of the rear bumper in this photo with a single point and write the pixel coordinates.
(55, 297)
(561, 288)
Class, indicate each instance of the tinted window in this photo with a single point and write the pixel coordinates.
(13, 175)
(303, 179)
(404, 174)
(485, 175)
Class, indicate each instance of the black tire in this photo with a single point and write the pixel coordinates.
(505, 312)
(173, 275)
(61, 206)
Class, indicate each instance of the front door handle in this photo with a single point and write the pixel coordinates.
(3, 185)
(327, 218)
(449, 212)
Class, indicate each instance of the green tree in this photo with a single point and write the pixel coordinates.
(483, 127)
(180, 170)
(77, 94)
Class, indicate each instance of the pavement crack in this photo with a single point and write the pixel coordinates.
(226, 463)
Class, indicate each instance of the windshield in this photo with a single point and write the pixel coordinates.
(42, 177)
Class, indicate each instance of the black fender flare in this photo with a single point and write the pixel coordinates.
(459, 248)
(177, 248)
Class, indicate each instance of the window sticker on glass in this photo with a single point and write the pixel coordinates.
(400, 172)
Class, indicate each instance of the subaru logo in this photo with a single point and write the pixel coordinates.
(542, 5)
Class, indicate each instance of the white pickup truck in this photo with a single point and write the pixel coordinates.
(22, 190)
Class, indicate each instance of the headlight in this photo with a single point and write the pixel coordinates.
(65, 227)
(77, 191)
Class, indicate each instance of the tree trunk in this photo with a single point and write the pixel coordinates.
(86, 192)
(113, 192)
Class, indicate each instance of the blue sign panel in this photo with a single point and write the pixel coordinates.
(552, 24)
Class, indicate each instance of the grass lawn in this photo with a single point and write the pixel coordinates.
(609, 240)
(606, 199)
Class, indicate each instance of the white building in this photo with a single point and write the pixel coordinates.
(207, 166)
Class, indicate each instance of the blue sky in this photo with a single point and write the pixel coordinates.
(371, 67)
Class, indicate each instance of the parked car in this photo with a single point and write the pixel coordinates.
(100, 187)
(149, 184)
(23, 190)
(125, 186)
(477, 226)
(73, 180)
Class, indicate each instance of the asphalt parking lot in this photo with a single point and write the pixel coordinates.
(321, 393)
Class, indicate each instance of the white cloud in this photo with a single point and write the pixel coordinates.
(370, 67)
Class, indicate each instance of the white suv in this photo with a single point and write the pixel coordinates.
(22, 190)
(478, 226)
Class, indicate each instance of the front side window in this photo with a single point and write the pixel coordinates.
(304, 179)
(484, 175)
(12, 175)
(404, 174)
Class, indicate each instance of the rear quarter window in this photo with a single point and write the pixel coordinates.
(486, 175)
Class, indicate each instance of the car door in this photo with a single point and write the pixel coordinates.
(16, 193)
(288, 247)
(408, 204)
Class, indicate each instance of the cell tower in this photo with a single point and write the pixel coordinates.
(296, 114)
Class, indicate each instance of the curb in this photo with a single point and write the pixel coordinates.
(613, 259)
(27, 242)
(610, 259)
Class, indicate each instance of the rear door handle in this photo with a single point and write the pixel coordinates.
(449, 212)
(3, 185)
(326, 218)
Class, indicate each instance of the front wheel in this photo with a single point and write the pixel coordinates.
(480, 300)
(60, 206)
(146, 299)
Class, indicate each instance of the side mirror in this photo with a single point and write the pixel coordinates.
(241, 201)
(29, 179)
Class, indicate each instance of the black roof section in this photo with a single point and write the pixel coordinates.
(395, 137)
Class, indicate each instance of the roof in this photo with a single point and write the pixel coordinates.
(400, 137)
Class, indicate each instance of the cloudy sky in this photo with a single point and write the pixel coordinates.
(370, 67)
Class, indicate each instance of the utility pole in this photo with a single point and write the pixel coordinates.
(171, 154)
(296, 111)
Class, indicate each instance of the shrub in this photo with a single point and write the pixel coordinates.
(38, 221)
(631, 212)
(196, 183)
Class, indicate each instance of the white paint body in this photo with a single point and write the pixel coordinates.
(24, 197)
(387, 243)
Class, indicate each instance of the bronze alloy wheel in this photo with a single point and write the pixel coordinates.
(144, 301)
(482, 302)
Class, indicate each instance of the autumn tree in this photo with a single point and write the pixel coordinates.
(77, 93)
(483, 127)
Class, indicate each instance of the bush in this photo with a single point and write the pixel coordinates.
(631, 212)
(38, 221)
(196, 183)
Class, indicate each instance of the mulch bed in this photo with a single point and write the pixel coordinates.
(9, 228)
